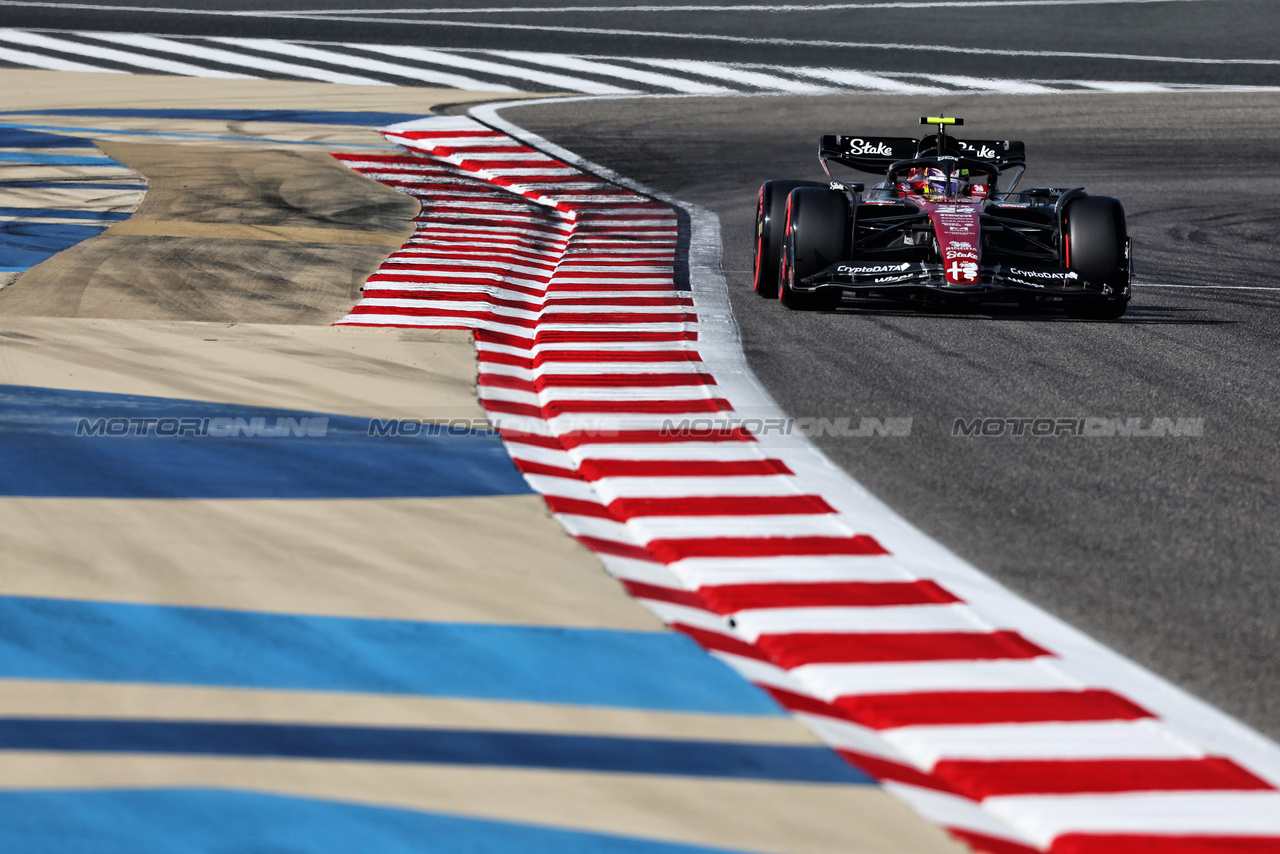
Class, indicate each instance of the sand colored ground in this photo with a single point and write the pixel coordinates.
(37, 698)
(234, 234)
(407, 558)
(376, 373)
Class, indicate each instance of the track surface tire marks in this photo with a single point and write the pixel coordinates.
(1161, 548)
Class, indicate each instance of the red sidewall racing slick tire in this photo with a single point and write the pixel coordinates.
(816, 236)
(771, 215)
(1097, 241)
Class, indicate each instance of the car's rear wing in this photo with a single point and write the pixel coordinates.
(873, 154)
(876, 154)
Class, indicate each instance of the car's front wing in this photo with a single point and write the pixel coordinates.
(905, 278)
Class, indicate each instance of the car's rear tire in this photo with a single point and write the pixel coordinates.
(816, 236)
(1096, 247)
(771, 214)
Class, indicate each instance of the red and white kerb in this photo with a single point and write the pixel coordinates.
(987, 716)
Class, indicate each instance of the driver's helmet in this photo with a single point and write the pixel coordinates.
(935, 182)
(926, 181)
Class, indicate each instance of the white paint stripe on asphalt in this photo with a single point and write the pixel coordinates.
(593, 66)
(1119, 86)
(1008, 87)
(737, 74)
(226, 57)
(1209, 287)
(865, 80)
(298, 51)
(53, 63)
(459, 60)
(90, 51)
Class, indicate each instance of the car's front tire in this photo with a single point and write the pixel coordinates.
(771, 214)
(1096, 243)
(816, 236)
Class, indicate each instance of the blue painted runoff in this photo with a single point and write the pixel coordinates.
(316, 117)
(74, 185)
(24, 138)
(218, 821)
(65, 639)
(25, 244)
(566, 752)
(58, 443)
(62, 213)
(55, 159)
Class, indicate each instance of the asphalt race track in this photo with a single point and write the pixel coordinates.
(1164, 548)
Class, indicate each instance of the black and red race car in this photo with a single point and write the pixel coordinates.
(939, 229)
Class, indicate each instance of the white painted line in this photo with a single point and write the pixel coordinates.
(53, 63)
(1118, 86)
(1209, 287)
(226, 57)
(988, 84)
(298, 51)
(866, 80)
(622, 72)
(90, 51)
(460, 60)
(737, 74)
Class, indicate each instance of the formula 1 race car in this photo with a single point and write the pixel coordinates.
(939, 230)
